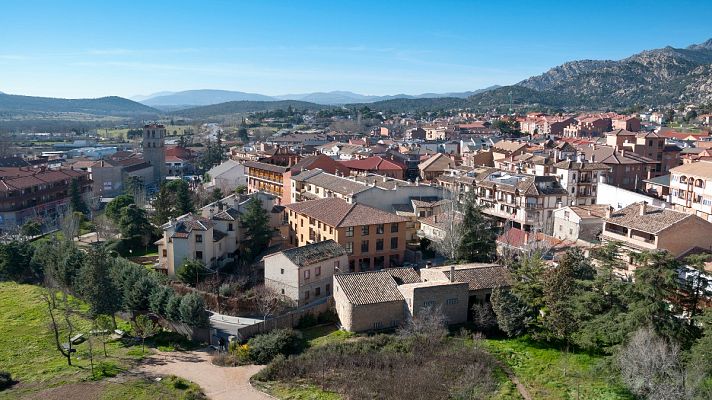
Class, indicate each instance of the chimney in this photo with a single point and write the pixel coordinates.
(642, 208)
(429, 264)
(609, 211)
(452, 273)
(593, 158)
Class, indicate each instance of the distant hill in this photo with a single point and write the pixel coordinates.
(660, 77)
(171, 101)
(414, 105)
(203, 97)
(142, 97)
(112, 105)
(238, 107)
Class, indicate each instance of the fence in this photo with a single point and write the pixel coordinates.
(288, 320)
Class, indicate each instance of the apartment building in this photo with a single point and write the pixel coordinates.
(373, 238)
(626, 168)
(435, 166)
(640, 226)
(588, 126)
(305, 274)
(580, 179)
(691, 188)
(266, 177)
(647, 144)
(525, 201)
(375, 165)
(372, 190)
(28, 193)
(626, 122)
(579, 222)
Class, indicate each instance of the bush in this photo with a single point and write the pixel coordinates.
(307, 321)
(264, 348)
(5, 380)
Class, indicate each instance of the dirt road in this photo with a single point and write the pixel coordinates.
(218, 383)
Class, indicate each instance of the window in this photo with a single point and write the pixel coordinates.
(394, 243)
(317, 271)
(364, 230)
(229, 227)
(282, 291)
(377, 325)
(328, 288)
(281, 271)
(317, 292)
(429, 303)
(394, 228)
(350, 231)
(307, 274)
(350, 247)
(364, 246)
(306, 295)
(165, 253)
(379, 229)
(379, 244)
(198, 255)
(451, 301)
(198, 238)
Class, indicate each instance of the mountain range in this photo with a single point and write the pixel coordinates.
(652, 78)
(658, 78)
(205, 97)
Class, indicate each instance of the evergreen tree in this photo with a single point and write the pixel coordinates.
(134, 222)
(115, 206)
(76, 201)
(512, 314)
(139, 295)
(173, 307)
(184, 200)
(256, 223)
(192, 272)
(192, 310)
(478, 235)
(96, 285)
(159, 300)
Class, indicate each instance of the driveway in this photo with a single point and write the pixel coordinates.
(218, 383)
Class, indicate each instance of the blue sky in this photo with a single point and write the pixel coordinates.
(86, 49)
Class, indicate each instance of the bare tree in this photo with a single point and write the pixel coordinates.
(651, 367)
(105, 228)
(449, 221)
(268, 302)
(429, 323)
(60, 312)
(70, 224)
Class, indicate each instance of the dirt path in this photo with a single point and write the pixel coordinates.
(218, 383)
(512, 377)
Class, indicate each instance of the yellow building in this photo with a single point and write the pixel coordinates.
(373, 239)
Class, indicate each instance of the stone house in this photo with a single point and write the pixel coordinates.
(305, 274)
(575, 223)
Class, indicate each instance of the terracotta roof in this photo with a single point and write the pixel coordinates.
(266, 166)
(590, 211)
(404, 275)
(479, 276)
(519, 239)
(508, 146)
(314, 253)
(653, 221)
(437, 162)
(609, 155)
(701, 168)
(369, 287)
(338, 213)
(331, 182)
(22, 178)
(375, 163)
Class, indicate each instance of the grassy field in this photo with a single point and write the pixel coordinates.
(28, 352)
(549, 373)
(171, 130)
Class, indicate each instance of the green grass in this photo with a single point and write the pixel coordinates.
(28, 351)
(296, 392)
(169, 388)
(549, 373)
(324, 334)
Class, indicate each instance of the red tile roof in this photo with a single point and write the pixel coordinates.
(338, 213)
(374, 163)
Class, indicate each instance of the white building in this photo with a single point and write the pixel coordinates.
(305, 274)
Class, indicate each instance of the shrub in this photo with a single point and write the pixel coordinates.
(306, 321)
(5, 380)
(264, 348)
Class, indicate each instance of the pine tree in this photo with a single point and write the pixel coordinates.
(96, 285)
(256, 223)
(76, 202)
(477, 233)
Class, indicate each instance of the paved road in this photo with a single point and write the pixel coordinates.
(218, 383)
